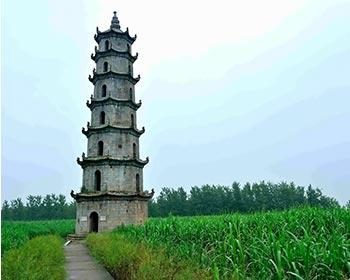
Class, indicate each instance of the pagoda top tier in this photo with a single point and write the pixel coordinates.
(114, 31)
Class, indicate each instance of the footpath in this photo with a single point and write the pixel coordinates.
(80, 265)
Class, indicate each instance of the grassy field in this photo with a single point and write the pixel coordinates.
(295, 244)
(41, 258)
(129, 260)
(309, 243)
(34, 250)
(15, 234)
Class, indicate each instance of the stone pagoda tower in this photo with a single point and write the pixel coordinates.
(112, 191)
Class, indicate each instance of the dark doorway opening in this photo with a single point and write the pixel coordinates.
(97, 180)
(137, 183)
(93, 222)
(102, 117)
(134, 150)
(100, 148)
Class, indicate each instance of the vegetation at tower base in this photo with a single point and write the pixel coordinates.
(41, 258)
(127, 260)
(305, 243)
(15, 234)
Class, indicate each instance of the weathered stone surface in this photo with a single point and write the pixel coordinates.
(115, 213)
(100, 175)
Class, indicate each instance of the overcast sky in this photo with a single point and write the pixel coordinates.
(231, 91)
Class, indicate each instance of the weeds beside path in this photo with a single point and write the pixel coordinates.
(40, 258)
(127, 260)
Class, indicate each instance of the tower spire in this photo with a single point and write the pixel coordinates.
(115, 21)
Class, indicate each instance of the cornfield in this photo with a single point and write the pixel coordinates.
(15, 234)
(305, 243)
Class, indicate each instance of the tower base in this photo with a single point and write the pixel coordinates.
(105, 211)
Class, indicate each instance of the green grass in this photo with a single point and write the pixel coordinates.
(295, 244)
(41, 258)
(127, 260)
(15, 234)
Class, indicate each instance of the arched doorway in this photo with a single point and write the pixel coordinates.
(100, 148)
(98, 180)
(134, 150)
(105, 66)
(102, 117)
(137, 183)
(93, 222)
(132, 120)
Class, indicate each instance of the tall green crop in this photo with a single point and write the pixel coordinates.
(305, 243)
(41, 258)
(15, 234)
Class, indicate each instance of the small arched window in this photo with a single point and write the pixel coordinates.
(104, 90)
(106, 45)
(97, 180)
(102, 117)
(134, 150)
(129, 68)
(100, 148)
(130, 93)
(105, 66)
(138, 183)
(132, 120)
(128, 46)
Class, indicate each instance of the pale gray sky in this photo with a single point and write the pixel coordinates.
(231, 90)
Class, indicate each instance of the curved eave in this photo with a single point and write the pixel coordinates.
(111, 128)
(106, 160)
(112, 195)
(112, 52)
(110, 74)
(112, 33)
(112, 101)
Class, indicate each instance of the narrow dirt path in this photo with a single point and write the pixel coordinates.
(80, 265)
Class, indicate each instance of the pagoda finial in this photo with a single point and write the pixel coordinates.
(115, 21)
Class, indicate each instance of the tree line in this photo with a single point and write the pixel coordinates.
(214, 200)
(205, 200)
(37, 207)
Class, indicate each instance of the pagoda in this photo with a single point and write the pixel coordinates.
(112, 191)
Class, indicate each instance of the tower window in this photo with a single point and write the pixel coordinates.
(105, 66)
(134, 150)
(132, 120)
(104, 90)
(130, 93)
(100, 148)
(97, 180)
(102, 117)
(129, 68)
(137, 183)
(106, 45)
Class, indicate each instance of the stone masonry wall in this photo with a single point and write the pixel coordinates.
(116, 144)
(117, 44)
(113, 178)
(111, 214)
(119, 115)
(116, 88)
(115, 64)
